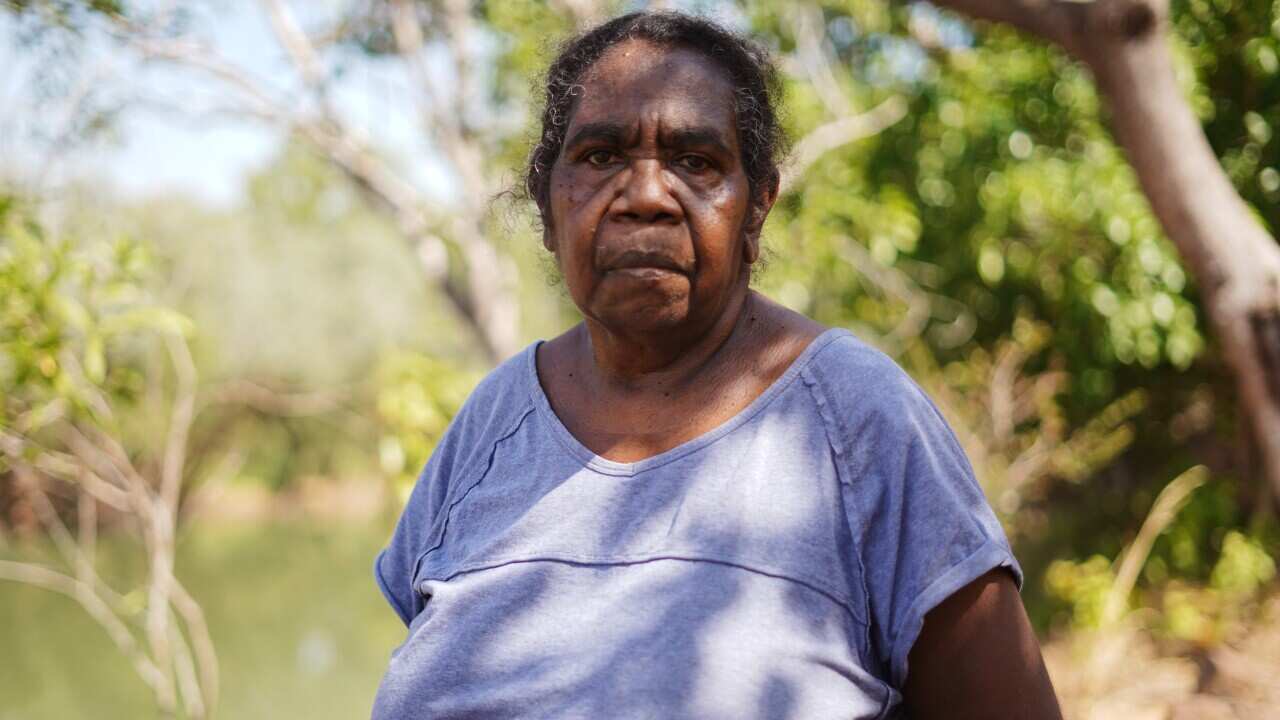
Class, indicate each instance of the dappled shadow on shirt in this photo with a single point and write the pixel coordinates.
(722, 581)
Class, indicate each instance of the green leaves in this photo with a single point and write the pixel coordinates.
(1002, 193)
(417, 397)
(1002, 203)
(66, 12)
(66, 310)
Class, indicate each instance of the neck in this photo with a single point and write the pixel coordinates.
(670, 360)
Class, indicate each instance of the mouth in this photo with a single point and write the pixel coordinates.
(643, 263)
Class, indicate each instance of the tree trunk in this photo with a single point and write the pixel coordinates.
(1235, 262)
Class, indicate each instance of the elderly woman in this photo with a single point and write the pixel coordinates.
(695, 503)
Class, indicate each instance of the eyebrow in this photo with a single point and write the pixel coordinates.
(704, 137)
(605, 131)
(615, 134)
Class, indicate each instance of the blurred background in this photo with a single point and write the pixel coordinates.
(254, 255)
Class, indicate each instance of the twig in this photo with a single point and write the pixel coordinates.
(72, 553)
(892, 282)
(296, 43)
(42, 577)
(1163, 511)
(87, 527)
(816, 58)
(184, 666)
(283, 404)
(206, 658)
(180, 420)
(1003, 377)
(840, 132)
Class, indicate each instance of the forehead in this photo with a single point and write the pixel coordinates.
(638, 78)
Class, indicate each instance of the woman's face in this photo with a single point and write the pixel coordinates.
(650, 213)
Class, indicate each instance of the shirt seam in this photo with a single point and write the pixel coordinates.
(818, 394)
(448, 513)
(621, 560)
(818, 391)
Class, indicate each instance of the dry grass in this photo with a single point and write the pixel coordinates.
(1125, 673)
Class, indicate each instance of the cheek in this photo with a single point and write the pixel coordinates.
(571, 198)
(716, 219)
(575, 212)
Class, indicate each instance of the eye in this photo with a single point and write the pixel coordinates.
(694, 163)
(599, 158)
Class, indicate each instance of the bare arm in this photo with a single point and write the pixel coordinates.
(977, 657)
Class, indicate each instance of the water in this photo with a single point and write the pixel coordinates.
(301, 629)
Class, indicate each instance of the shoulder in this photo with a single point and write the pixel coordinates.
(498, 402)
(847, 357)
(865, 393)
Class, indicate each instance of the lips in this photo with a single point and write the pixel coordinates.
(645, 260)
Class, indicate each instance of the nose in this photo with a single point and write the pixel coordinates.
(646, 196)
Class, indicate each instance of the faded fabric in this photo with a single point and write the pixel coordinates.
(779, 566)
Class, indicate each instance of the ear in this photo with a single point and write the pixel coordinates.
(761, 204)
(547, 241)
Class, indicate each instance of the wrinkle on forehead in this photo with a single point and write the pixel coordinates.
(643, 86)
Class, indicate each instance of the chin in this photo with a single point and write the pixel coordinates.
(650, 325)
(645, 316)
(640, 304)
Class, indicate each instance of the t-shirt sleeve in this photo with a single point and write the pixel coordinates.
(395, 566)
(921, 523)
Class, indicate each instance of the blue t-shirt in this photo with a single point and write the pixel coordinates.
(779, 566)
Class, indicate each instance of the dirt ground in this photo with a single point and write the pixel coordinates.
(1126, 674)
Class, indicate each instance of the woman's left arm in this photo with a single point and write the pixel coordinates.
(977, 657)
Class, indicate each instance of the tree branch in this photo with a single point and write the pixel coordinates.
(1163, 511)
(206, 658)
(815, 58)
(385, 188)
(1235, 261)
(175, 448)
(840, 132)
(297, 44)
(42, 577)
(1047, 19)
(275, 402)
(64, 467)
(893, 282)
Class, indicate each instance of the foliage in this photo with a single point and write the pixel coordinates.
(1233, 47)
(993, 240)
(66, 372)
(71, 314)
(996, 242)
(1083, 586)
(1002, 193)
(300, 293)
(417, 397)
(1013, 427)
(1205, 614)
(65, 11)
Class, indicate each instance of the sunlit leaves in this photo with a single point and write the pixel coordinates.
(1002, 201)
(67, 10)
(1008, 191)
(417, 397)
(68, 310)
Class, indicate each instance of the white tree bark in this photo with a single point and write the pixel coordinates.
(1235, 262)
(483, 290)
(172, 651)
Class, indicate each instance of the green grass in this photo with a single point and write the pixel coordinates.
(301, 629)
